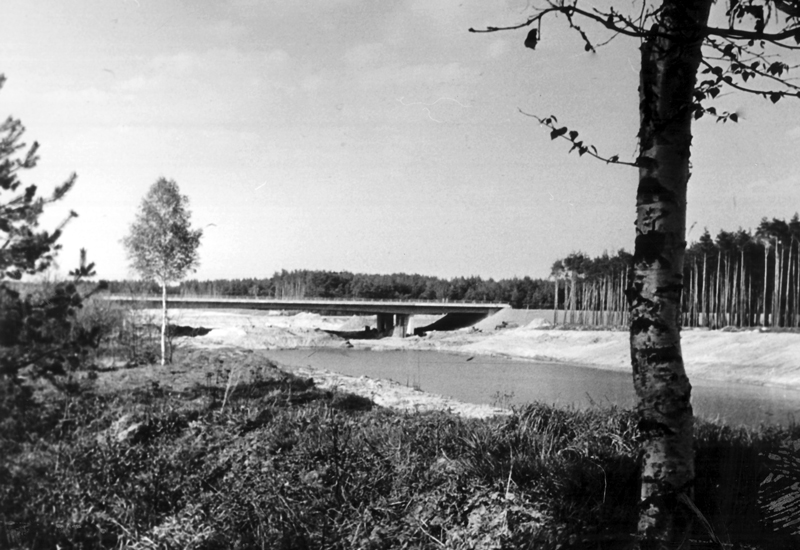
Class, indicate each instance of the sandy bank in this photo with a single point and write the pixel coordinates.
(748, 356)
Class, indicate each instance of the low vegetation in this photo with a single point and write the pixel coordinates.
(222, 449)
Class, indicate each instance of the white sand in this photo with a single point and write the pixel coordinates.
(746, 356)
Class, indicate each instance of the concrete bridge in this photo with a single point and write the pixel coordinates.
(392, 316)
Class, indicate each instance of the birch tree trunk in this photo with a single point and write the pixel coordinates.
(670, 58)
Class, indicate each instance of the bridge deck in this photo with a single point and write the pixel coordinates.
(319, 305)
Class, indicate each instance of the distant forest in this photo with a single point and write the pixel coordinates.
(740, 278)
(519, 293)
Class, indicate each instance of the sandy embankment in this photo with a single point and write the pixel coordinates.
(748, 356)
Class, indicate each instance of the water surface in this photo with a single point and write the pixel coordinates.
(505, 381)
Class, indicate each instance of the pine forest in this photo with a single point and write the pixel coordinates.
(741, 278)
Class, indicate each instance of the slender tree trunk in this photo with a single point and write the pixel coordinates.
(163, 324)
(776, 292)
(623, 283)
(605, 300)
(774, 306)
(750, 300)
(787, 286)
(729, 270)
(727, 307)
(791, 296)
(555, 302)
(795, 289)
(572, 298)
(743, 307)
(722, 280)
(668, 75)
(764, 323)
(715, 307)
(793, 281)
(705, 292)
(693, 318)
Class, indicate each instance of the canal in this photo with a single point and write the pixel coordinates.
(504, 381)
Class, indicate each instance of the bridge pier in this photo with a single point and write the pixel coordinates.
(393, 324)
(401, 325)
(385, 323)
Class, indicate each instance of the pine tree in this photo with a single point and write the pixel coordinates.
(37, 330)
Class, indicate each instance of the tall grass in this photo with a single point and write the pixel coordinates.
(284, 464)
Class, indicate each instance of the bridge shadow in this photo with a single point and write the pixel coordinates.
(182, 330)
(451, 321)
(366, 334)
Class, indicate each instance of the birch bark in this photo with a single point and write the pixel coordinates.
(670, 58)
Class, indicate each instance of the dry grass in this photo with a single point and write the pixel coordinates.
(222, 449)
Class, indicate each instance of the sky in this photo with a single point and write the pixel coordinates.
(372, 137)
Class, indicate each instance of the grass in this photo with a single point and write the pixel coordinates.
(224, 450)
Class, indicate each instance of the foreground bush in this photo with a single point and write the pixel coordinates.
(274, 462)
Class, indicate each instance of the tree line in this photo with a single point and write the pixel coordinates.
(741, 278)
(522, 292)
